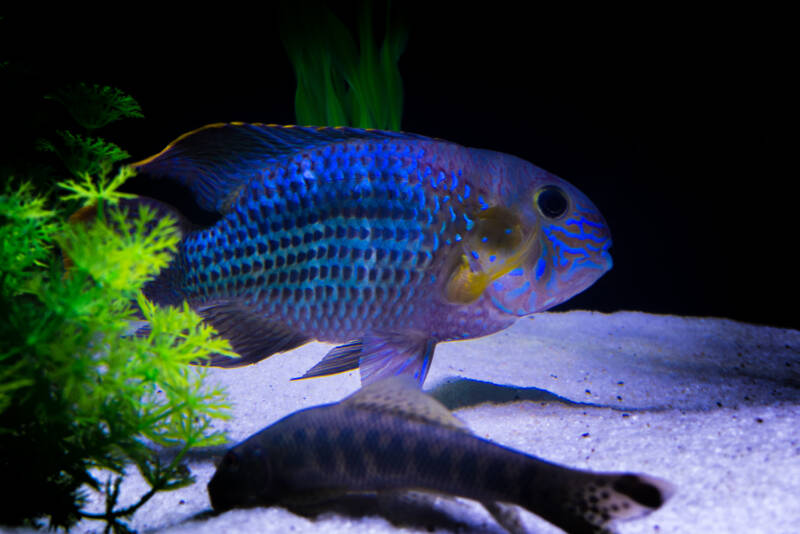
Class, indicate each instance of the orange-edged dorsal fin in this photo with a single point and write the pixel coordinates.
(217, 160)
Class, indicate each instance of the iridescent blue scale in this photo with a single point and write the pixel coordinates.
(375, 222)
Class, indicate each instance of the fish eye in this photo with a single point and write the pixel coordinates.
(551, 201)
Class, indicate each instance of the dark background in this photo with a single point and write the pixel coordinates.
(674, 122)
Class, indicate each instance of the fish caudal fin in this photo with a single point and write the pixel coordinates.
(380, 356)
(592, 502)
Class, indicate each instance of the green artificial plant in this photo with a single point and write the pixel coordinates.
(81, 398)
(339, 82)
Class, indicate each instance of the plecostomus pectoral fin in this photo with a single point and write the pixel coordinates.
(496, 245)
(380, 355)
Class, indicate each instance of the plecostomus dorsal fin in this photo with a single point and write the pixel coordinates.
(401, 396)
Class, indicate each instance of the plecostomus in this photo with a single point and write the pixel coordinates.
(390, 436)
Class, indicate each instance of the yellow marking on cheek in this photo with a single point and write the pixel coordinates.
(467, 285)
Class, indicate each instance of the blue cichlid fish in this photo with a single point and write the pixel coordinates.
(387, 242)
(389, 436)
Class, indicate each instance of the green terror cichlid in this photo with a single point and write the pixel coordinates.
(386, 242)
(389, 436)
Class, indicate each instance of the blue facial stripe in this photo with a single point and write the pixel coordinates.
(519, 271)
(583, 221)
(518, 292)
(541, 264)
(500, 306)
(582, 235)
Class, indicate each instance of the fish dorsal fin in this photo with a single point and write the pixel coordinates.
(215, 161)
(401, 395)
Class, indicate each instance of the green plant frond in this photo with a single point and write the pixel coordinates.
(83, 155)
(90, 191)
(21, 203)
(124, 253)
(95, 106)
(179, 409)
(27, 228)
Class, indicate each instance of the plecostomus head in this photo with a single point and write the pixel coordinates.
(535, 242)
(243, 479)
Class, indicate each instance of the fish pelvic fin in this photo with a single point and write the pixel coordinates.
(380, 355)
(593, 502)
(390, 354)
(251, 334)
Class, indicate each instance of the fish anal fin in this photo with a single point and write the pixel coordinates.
(338, 360)
(251, 334)
(401, 395)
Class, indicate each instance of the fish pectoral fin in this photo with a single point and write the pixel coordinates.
(338, 360)
(402, 396)
(251, 334)
(396, 353)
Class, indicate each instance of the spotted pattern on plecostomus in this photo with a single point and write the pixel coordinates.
(385, 242)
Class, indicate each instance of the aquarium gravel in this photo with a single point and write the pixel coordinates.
(711, 405)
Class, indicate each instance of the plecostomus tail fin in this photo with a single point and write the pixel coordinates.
(590, 503)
